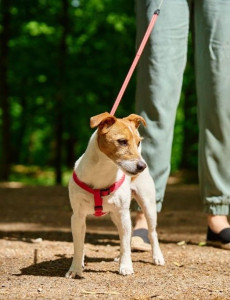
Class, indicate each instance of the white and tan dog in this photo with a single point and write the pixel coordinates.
(113, 171)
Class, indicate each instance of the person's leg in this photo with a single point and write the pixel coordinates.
(212, 39)
(159, 81)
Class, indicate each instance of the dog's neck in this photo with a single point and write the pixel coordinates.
(94, 167)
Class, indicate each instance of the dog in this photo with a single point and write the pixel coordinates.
(106, 177)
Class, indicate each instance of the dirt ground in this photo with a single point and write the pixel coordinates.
(36, 250)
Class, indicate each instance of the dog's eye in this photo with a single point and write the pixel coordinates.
(138, 143)
(123, 142)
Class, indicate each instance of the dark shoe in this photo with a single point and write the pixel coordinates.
(220, 240)
(140, 240)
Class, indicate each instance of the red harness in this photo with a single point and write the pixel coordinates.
(98, 194)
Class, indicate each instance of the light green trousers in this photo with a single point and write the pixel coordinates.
(159, 81)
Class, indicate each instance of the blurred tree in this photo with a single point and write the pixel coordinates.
(4, 89)
(61, 82)
(66, 61)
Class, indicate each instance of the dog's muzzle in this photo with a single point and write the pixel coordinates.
(132, 167)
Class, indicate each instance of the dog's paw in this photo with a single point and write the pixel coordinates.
(70, 274)
(126, 270)
(159, 260)
(73, 274)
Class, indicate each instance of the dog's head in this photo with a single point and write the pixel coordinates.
(120, 141)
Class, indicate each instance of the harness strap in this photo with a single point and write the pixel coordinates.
(98, 193)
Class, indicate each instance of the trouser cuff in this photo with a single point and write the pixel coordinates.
(217, 209)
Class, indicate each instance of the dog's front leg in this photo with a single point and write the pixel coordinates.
(149, 209)
(122, 220)
(144, 192)
(158, 258)
(78, 227)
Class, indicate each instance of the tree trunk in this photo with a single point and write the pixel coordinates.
(4, 91)
(70, 153)
(60, 92)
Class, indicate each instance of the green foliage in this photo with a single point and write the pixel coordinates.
(100, 46)
(35, 175)
(177, 148)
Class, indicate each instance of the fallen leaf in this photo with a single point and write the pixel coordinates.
(177, 264)
(201, 244)
(99, 292)
(38, 240)
(117, 259)
(181, 243)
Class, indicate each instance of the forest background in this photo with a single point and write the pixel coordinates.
(62, 62)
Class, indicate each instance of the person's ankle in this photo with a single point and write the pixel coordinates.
(140, 221)
(217, 222)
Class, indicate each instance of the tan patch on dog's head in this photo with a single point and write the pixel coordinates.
(119, 139)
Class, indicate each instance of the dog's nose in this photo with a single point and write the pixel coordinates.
(141, 166)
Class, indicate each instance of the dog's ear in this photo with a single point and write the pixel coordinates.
(103, 121)
(137, 120)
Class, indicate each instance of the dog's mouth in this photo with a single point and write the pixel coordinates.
(132, 167)
(129, 173)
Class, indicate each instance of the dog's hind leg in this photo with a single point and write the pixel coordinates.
(122, 220)
(78, 231)
(144, 192)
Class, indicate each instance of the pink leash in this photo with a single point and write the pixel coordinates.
(136, 59)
